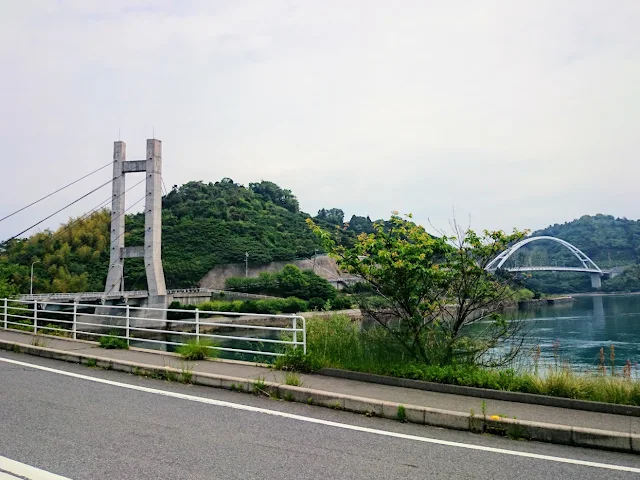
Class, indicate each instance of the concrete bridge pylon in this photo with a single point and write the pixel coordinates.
(151, 166)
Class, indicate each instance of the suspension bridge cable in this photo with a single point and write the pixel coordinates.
(58, 211)
(93, 210)
(53, 193)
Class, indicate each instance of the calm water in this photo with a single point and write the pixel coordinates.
(582, 327)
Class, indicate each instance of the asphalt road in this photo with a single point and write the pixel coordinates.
(80, 429)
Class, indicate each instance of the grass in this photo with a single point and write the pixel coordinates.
(92, 362)
(293, 379)
(338, 342)
(195, 350)
(56, 330)
(402, 414)
(186, 373)
(23, 325)
(259, 385)
(111, 341)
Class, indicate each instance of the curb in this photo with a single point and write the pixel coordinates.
(547, 401)
(517, 429)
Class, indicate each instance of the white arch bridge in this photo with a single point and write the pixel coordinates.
(586, 264)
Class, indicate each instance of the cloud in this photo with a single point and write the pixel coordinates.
(516, 113)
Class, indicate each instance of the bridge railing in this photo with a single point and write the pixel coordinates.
(235, 333)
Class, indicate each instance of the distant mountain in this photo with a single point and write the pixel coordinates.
(607, 240)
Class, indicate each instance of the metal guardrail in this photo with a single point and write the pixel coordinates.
(30, 316)
(102, 295)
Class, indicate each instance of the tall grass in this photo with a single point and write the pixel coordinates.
(338, 342)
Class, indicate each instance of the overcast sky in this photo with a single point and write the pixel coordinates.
(515, 113)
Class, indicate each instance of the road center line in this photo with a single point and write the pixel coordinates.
(345, 426)
(23, 470)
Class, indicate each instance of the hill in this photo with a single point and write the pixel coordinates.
(608, 241)
(211, 224)
(204, 225)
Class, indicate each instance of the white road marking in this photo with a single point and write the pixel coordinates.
(24, 471)
(345, 426)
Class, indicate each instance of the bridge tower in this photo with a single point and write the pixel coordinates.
(151, 166)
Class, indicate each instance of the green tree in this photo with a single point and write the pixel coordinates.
(7, 290)
(279, 196)
(334, 216)
(436, 288)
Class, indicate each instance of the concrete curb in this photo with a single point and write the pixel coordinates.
(520, 429)
(547, 401)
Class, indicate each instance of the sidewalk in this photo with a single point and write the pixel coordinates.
(346, 392)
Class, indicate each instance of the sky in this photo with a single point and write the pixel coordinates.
(504, 113)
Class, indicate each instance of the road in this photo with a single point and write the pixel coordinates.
(83, 423)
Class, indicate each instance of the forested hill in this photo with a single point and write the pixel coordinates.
(204, 225)
(607, 240)
(210, 224)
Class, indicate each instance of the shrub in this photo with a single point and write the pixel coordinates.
(294, 359)
(316, 304)
(194, 350)
(111, 341)
(342, 302)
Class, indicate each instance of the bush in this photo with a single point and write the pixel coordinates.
(342, 302)
(111, 341)
(194, 350)
(263, 306)
(289, 282)
(295, 360)
(316, 304)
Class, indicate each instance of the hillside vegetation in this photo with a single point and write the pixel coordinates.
(204, 225)
(210, 224)
(608, 241)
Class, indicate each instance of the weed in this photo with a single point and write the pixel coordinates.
(92, 362)
(112, 341)
(288, 397)
(56, 330)
(16, 348)
(402, 414)
(137, 371)
(516, 432)
(195, 350)
(293, 379)
(294, 359)
(472, 413)
(335, 405)
(259, 385)
(310, 401)
(22, 325)
(484, 409)
(612, 360)
(186, 375)
(170, 375)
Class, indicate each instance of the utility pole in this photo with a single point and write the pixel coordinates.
(246, 264)
(31, 284)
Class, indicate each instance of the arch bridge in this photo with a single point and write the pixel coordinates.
(586, 264)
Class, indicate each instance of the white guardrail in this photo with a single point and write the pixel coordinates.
(142, 324)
